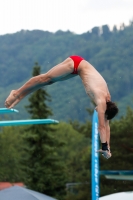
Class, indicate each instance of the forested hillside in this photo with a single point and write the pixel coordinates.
(111, 52)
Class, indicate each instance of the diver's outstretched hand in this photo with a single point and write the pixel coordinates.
(105, 153)
(12, 100)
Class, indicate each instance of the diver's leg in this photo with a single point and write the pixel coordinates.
(55, 74)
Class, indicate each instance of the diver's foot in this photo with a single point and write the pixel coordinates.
(105, 153)
(12, 99)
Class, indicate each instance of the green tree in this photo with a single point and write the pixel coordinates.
(10, 154)
(96, 31)
(105, 32)
(44, 170)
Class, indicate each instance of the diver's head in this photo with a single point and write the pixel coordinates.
(111, 110)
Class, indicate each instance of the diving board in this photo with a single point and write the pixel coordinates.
(6, 110)
(118, 174)
(27, 122)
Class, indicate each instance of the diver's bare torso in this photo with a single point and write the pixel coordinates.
(95, 85)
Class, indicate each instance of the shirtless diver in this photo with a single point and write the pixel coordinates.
(95, 87)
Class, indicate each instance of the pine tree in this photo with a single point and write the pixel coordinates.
(45, 172)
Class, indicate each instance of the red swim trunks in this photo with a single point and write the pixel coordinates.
(76, 60)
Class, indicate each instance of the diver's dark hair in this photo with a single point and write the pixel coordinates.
(111, 110)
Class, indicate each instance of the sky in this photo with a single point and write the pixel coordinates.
(78, 16)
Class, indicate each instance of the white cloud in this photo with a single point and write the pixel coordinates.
(75, 15)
